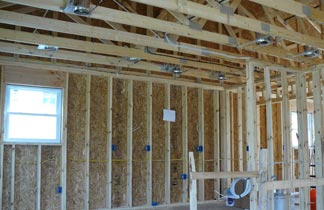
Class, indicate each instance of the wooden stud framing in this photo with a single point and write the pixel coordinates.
(87, 143)
(227, 131)
(167, 149)
(149, 142)
(192, 183)
(109, 144)
(185, 142)
(303, 154)
(318, 130)
(12, 177)
(251, 130)
(223, 155)
(221, 175)
(201, 155)
(130, 143)
(64, 144)
(39, 177)
(2, 90)
(269, 133)
(240, 128)
(216, 141)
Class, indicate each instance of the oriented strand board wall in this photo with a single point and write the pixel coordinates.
(50, 170)
(119, 140)
(76, 142)
(139, 143)
(98, 142)
(209, 142)
(176, 145)
(158, 143)
(6, 177)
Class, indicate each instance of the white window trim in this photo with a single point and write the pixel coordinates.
(59, 118)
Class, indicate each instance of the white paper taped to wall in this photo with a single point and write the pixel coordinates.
(169, 115)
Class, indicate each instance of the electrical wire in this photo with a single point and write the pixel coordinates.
(247, 190)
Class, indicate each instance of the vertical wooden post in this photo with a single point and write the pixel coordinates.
(12, 177)
(263, 166)
(240, 128)
(149, 142)
(39, 177)
(269, 133)
(64, 143)
(167, 149)
(318, 130)
(216, 141)
(303, 154)
(87, 142)
(201, 157)
(228, 136)
(286, 122)
(193, 183)
(251, 130)
(185, 142)
(130, 143)
(2, 93)
(109, 142)
(223, 143)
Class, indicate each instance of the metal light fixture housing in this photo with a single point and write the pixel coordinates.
(79, 7)
(263, 40)
(311, 52)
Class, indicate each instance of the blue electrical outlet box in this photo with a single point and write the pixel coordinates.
(184, 176)
(148, 148)
(59, 190)
(200, 148)
(113, 147)
(154, 203)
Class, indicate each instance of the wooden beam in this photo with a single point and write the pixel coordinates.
(109, 143)
(240, 128)
(251, 130)
(294, 184)
(31, 38)
(318, 131)
(192, 183)
(130, 144)
(227, 131)
(185, 169)
(216, 141)
(303, 151)
(64, 144)
(5, 4)
(295, 8)
(39, 177)
(201, 136)
(2, 95)
(270, 158)
(234, 20)
(149, 142)
(87, 143)
(167, 140)
(223, 139)
(224, 175)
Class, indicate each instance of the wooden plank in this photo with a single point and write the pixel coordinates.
(130, 144)
(303, 151)
(109, 144)
(201, 155)
(286, 184)
(224, 175)
(227, 131)
(192, 183)
(149, 142)
(87, 142)
(167, 149)
(251, 129)
(64, 144)
(318, 131)
(263, 167)
(270, 158)
(216, 141)
(240, 128)
(39, 177)
(185, 169)
(2, 95)
(12, 177)
(223, 145)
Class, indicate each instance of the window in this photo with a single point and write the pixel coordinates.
(32, 114)
(294, 129)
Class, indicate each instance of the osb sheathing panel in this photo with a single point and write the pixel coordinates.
(25, 177)
(139, 143)
(6, 177)
(176, 145)
(119, 140)
(209, 142)
(193, 121)
(158, 143)
(76, 142)
(98, 142)
(277, 139)
(50, 171)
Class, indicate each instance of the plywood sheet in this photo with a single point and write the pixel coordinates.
(139, 142)
(158, 143)
(98, 142)
(176, 145)
(76, 142)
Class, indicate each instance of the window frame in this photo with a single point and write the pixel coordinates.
(59, 115)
